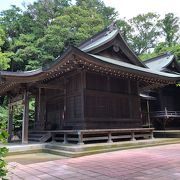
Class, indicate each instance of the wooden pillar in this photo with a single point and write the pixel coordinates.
(108, 84)
(83, 87)
(161, 99)
(39, 104)
(25, 124)
(42, 109)
(148, 113)
(10, 122)
(37, 109)
(65, 103)
(130, 99)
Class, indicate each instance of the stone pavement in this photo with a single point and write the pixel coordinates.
(159, 163)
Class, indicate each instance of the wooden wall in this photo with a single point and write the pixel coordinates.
(62, 108)
(74, 102)
(111, 102)
(169, 97)
(91, 101)
(51, 115)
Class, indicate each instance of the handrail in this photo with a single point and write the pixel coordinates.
(165, 114)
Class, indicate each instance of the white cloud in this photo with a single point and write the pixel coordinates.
(5, 4)
(130, 8)
(126, 8)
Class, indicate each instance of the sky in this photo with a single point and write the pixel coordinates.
(126, 8)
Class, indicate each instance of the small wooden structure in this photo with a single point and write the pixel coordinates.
(95, 86)
(164, 108)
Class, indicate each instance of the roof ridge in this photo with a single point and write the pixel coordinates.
(98, 35)
(157, 57)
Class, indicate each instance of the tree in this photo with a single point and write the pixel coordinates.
(108, 13)
(43, 12)
(76, 25)
(4, 56)
(27, 55)
(5, 59)
(146, 32)
(163, 48)
(3, 152)
(10, 21)
(2, 37)
(125, 29)
(146, 56)
(3, 139)
(35, 36)
(170, 27)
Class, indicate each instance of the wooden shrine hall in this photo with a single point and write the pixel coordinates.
(164, 102)
(94, 86)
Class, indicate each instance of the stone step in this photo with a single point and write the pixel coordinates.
(88, 148)
(82, 150)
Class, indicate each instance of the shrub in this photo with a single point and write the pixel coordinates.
(3, 152)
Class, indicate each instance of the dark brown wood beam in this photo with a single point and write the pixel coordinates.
(10, 122)
(47, 86)
(25, 118)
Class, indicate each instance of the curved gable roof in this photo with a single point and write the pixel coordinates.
(109, 34)
(160, 63)
(146, 71)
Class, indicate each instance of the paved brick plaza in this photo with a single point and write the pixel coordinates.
(160, 163)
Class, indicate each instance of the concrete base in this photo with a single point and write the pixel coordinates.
(72, 150)
(167, 134)
(32, 158)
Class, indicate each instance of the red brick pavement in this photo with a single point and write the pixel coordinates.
(160, 163)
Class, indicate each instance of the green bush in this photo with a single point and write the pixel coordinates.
(3, 152)
(3, 117)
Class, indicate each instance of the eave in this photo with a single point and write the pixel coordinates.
(74, 59)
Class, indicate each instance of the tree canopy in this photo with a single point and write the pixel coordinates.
(35, 36)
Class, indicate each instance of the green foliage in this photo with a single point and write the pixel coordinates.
(4, 60)
(11, 21)
(36, 36)
(39, 34)
(170, 30)
(4, 56)
(163, 48)
(2, 37)
(74, 26)
(3, 152)
(107, 13)
(18, 115)
(170, 27)
(146, 30)
(147, 56)
(3, 117)
(43, 12)
(125, 28)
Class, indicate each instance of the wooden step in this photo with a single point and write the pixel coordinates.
(39, 136)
